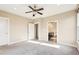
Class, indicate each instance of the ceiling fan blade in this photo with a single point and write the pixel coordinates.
(29, 12)
(40, 9)
(31, 8)
(40, 13)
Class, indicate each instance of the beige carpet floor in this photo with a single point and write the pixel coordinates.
(29, 48)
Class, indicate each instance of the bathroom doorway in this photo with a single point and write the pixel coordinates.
(52, 32)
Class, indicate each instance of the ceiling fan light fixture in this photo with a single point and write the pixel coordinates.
(35, 10)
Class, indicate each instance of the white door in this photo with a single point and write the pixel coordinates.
(78, 27)
(3, 31)
(31, 31)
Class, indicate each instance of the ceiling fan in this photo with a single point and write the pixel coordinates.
(35, 10)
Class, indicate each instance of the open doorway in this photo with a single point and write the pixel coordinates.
(52, 32)
(33, 31)
(36, 31)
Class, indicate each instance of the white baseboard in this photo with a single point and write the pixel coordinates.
(10, 43)
(3, 44)
(68, 44)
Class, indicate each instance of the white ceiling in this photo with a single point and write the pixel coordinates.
(49, 9)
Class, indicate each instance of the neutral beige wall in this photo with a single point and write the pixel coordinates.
(66, 27)
(18, 26)
(66, 23)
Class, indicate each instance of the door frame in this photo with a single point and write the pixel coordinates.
(38, 29)
(57, 29)
(8, 42)
(28, 30)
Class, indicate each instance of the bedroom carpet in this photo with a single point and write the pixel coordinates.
(30, 48)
